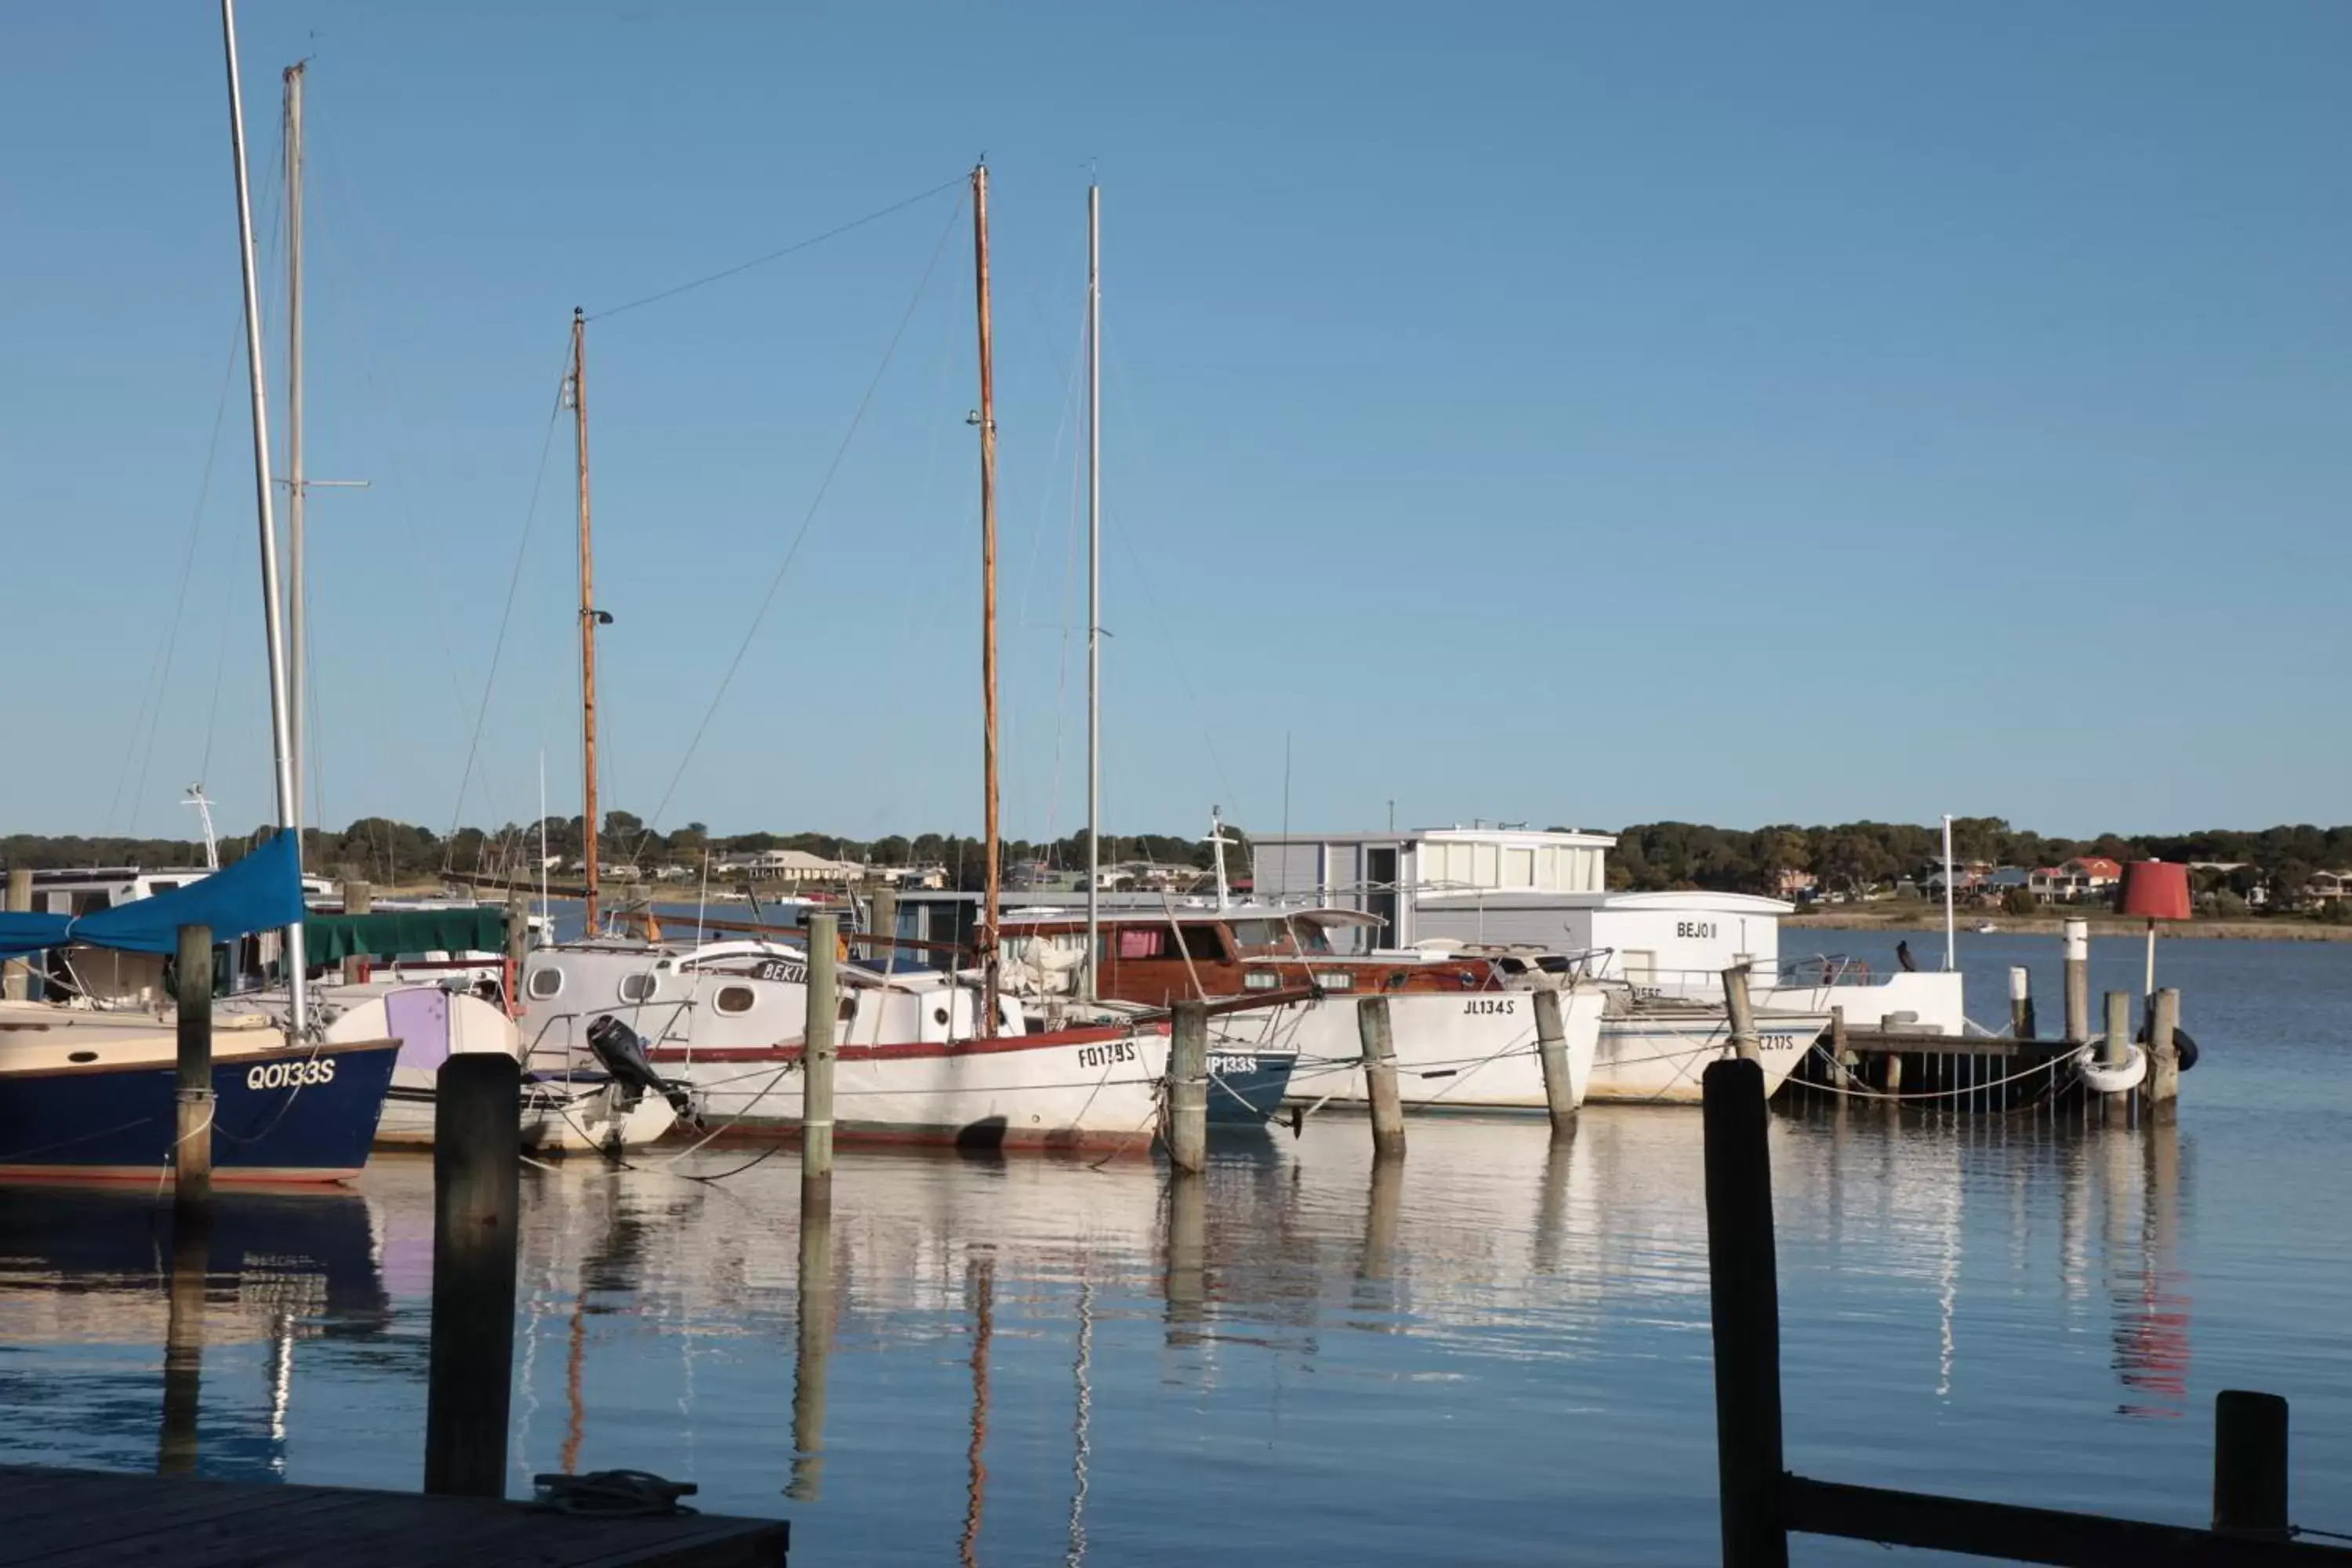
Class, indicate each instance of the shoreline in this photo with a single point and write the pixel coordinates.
(2101, 925)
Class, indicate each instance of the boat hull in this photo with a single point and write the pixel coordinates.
(1471, 1051)
(1658, 1059)
(278, 1116)
(1069, 1089)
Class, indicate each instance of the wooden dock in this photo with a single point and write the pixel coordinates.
(58, 1518)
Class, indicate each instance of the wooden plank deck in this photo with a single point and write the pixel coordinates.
(54, 1519)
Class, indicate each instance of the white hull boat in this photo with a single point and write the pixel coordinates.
(727, 1020)
(1474, 1051)
(1653, 1052)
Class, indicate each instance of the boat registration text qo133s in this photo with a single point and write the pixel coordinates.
(286, 1075)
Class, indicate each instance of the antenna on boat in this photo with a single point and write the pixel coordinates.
(273, 597)
(203, 803)
(1217, 841)
(985, 418)
(590, 618)
(1094, 588)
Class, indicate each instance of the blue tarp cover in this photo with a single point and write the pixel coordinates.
(260, 892)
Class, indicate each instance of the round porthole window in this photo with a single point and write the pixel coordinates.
(939, 1015)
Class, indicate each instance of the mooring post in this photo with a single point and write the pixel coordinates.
(517, 944)
(813, 1351)
(359, 899)
(2115, 1049)
(1188, 1087)
(818, 1051)
(1742, 1013)
(2250, 1484)
(1379, 1076)
(192, 1153)
(1552, 1049)
(2164, 1052)
(2078, 982)
(477, 1194)
(2020, 1002)
(882, 916)
(1893, 1064)
(1744, 1303)
(17, 973)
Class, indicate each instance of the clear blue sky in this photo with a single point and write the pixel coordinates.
(1578, 412)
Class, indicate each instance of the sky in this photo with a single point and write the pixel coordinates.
(1571, 413)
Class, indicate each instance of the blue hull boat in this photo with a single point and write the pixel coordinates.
(279, 1115)
(1245, 1086)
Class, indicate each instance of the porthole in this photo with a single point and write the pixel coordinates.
(734, 999)
(939, 1016)
(637, 988)
(82, 1056)
(544, 984)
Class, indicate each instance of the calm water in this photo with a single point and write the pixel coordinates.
(1498, 1354)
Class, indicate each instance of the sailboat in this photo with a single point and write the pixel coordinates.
(93, 1094)
(926, 1056)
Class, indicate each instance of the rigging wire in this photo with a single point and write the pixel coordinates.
(808, 520)
(741, 266)
(505, 617)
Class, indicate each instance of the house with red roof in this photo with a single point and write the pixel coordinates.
(2083, 878)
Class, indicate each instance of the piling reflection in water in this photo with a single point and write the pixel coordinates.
(184, 1343)
(813, 1340)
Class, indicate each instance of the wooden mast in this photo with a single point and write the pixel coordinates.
(588, 619)
(985, 938)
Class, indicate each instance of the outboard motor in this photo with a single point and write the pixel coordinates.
(622, 1052)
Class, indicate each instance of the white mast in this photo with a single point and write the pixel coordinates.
(1094, 586)
(298, 579)
(203, 803)
(1217, 849)
(272, 595)
(1950, 941)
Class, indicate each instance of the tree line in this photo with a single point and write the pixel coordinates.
(1654, 855)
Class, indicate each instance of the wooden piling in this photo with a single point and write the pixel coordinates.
(820, 1050)
(359, 899)
(1373, 1031)
(2164, 1053)
(191, 1149)
(882, 917)
(1188, 1087)
(1742, 1013)
(1744, 1303)
(2250, 1465)
(17, 973)
(1552, 1049)
(2020, 1002)
(812, 1348)
(2078, 982)
(2115, 1049)
(517, 944)
(476, 1197)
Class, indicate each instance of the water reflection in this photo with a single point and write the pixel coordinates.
(1039, 1358)
(104, 1279)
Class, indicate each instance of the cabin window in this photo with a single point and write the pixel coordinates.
(734, 999)
(1202, 941)
(637, 988)
(1310, 937)
(1257, 934)
(1142, 942)
(154, 888)
(544, 984)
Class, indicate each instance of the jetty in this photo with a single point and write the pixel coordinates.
(61, 1519)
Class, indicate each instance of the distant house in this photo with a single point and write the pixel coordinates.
(1795, 885)
(2327, 888)
(793, 868)
(2085, 876)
